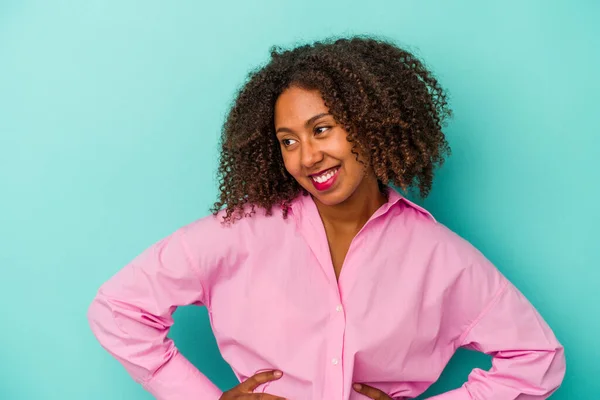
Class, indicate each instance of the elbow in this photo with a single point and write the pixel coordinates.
(536, 373)
(93, 312)
(97, 314)
(557, 369)
(104, 326)
(552, 374)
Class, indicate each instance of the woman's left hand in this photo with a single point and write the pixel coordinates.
(371, 392)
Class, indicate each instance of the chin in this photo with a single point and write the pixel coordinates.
(329, 199)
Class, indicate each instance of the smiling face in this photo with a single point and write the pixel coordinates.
(315, 150)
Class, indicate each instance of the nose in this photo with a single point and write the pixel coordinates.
(311, 154)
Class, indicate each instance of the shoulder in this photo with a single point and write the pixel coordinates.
(256, 223)
(451, 264)
(454, 252)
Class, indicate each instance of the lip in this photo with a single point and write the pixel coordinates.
(323, 171)
(328, 183)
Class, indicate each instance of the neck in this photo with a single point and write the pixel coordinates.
(355, 211)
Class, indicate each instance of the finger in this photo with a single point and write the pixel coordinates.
(261, 396)
(258, 379)
(370, 392)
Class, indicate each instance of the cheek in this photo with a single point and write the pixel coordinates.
(342, 148)
(355, 167)
(351, 158)
(290, 165)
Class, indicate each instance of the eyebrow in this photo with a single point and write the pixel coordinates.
(306, 124)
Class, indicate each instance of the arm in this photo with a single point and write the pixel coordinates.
(132, 313)
(528, 362)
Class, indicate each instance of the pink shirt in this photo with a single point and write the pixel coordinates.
(410, 293)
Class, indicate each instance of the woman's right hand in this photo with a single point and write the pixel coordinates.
(244, 391)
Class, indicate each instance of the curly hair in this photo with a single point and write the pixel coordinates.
(391, 105)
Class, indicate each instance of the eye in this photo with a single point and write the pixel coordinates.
(319, 131)
(288, 142)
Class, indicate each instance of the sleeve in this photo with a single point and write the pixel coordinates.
(528, 362)
(132, 313)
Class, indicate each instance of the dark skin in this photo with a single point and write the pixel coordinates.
(396, 109)
(245, 390)
(391, 105)
(343, 221)
(310, 144)
(311, 141)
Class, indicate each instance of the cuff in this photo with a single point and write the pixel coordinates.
(178, 379)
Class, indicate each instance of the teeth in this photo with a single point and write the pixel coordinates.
(324, 177)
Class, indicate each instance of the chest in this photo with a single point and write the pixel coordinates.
(338, 249)
(273, 305)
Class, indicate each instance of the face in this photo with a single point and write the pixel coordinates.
(315, 150)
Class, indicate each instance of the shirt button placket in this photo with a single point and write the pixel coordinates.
(336, 346)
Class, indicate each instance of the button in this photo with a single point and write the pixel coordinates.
(335, 361)
(338, 308)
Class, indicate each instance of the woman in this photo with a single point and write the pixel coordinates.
(323, 282)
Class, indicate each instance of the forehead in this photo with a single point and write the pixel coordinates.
(296, 105)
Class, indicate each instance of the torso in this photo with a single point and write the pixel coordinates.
(274, 303)
(339, 243)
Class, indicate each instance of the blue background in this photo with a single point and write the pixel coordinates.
(110, 113)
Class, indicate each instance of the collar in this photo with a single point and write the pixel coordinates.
(305, 204)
